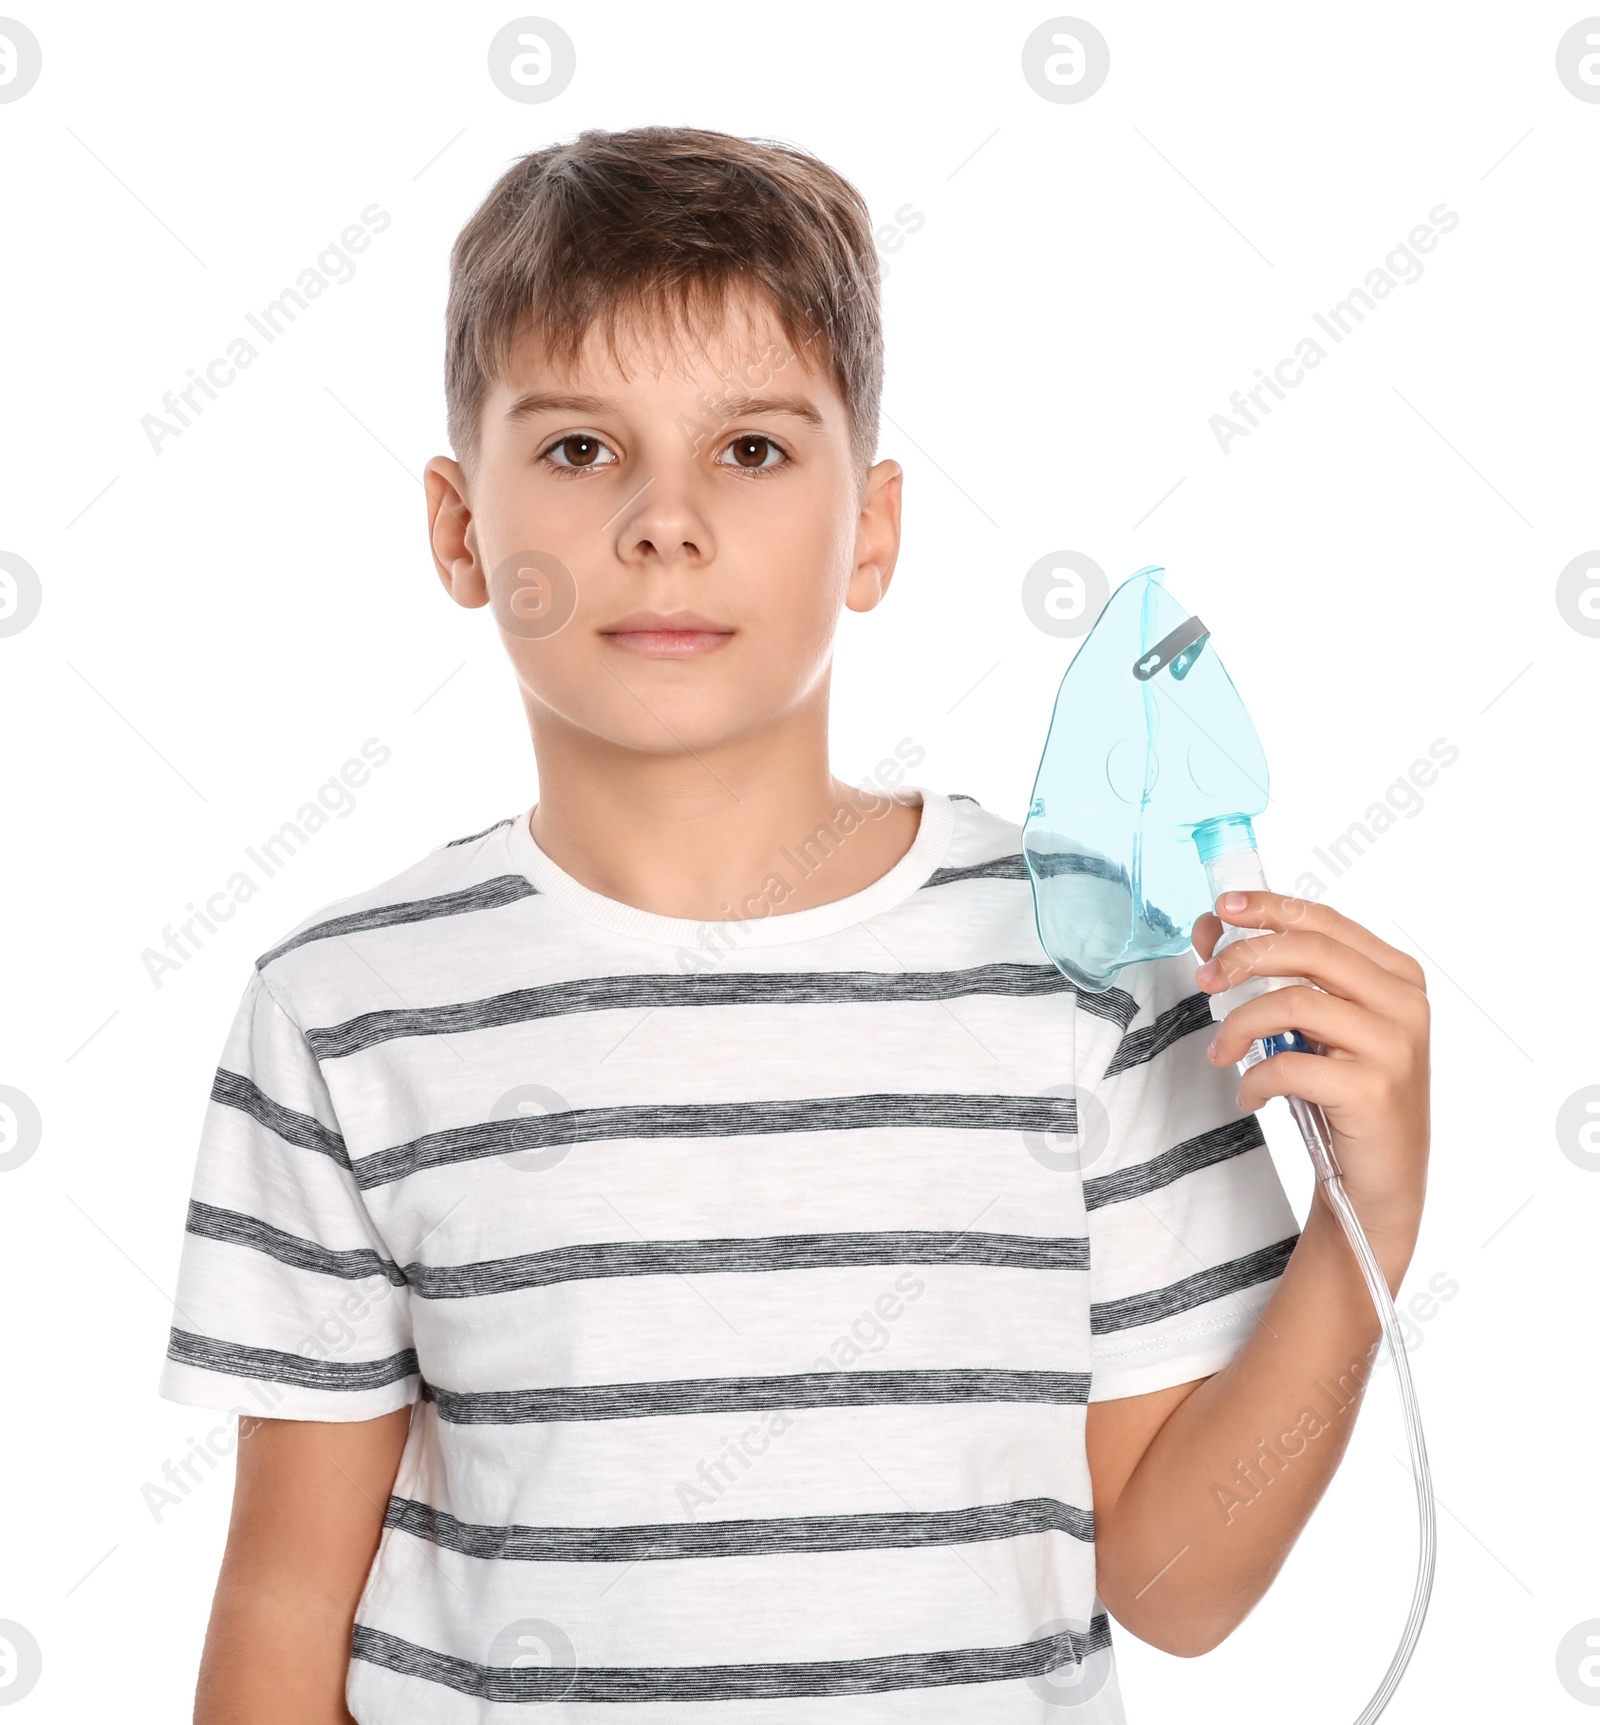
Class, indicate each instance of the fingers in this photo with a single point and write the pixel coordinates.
(1339, 1025)
(1353, 1091)
(1320, 958)
(1336, 1084)
(1277, 911)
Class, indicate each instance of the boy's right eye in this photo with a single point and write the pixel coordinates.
(579, 449)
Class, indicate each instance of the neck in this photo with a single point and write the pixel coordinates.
(755, 825)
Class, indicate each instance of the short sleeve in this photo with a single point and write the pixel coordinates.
(288, 1305)
(1189, 1225)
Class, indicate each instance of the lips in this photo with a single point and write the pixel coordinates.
(667, 634)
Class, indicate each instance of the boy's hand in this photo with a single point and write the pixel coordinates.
(1155, 1458)
(1369, 1009)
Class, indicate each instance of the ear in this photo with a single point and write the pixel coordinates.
(877, 537)
(452, 534)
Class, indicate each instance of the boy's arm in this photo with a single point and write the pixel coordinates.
(1201, 1490)
(308, 1506)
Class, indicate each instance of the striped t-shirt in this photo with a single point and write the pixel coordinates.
(749, 1281)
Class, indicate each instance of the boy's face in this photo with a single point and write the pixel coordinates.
(667, 541)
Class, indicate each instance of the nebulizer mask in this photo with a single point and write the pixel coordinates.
(1141, 817)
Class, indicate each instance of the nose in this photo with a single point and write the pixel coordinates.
(663, 522)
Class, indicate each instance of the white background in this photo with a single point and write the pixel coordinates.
(224, 623)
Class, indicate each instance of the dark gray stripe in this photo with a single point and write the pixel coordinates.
(472, 838)
(1197, 1290)
(237, 1229)
(491, 894)
(733, 1257)
(665, 990)
(996, 868)
(1047, 865)
(1114, 1005)
(672, 1396)
(575, 1683)
(1219, 1144)
(272, 1367)
(1190, 1014)
(781, 1536)
(234, 1090)
(892, 1110)
(1054, 864)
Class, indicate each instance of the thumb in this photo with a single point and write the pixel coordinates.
(1205, 934)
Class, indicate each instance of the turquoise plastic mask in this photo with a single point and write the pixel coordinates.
(1148, 742)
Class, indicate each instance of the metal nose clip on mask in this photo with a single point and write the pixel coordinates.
(1142, 814)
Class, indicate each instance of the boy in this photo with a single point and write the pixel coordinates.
(683, 1251)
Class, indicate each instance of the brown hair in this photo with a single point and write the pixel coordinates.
(664, 221)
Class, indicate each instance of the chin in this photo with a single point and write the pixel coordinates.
(655, 724)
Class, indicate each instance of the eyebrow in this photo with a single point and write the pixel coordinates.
(796, 406)
(534, 401)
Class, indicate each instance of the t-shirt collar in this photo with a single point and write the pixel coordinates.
(772, 926)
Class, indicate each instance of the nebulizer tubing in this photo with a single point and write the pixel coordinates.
(1228, 853)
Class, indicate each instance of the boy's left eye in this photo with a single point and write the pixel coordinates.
(752, 452)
